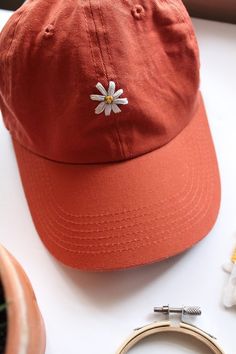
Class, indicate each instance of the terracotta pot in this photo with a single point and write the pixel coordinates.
(25, 327)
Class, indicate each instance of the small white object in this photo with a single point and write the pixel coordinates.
(109, 99)
(228, 267)
(229, 297)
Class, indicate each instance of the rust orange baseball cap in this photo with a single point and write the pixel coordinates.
(109, 128)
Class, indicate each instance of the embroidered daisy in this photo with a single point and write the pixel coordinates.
(109, 100)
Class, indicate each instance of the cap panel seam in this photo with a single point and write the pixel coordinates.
(90, 43)
(16, 23)
(21, 11)
(106, 74)
(116, 119)
(103, 68)
(98, 42)
(183, 15)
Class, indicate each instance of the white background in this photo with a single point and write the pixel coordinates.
(93, 313)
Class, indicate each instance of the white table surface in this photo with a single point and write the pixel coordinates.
(92, 313)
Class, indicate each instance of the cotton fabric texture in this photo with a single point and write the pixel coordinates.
(109, 191)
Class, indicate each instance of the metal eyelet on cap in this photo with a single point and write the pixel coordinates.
(138, 12)
(49, 31)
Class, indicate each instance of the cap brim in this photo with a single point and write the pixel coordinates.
(120, 215)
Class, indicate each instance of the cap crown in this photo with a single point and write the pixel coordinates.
(53, 53)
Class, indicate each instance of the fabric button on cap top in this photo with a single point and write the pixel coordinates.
(109, 129)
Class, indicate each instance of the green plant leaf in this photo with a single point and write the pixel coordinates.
(3, 307)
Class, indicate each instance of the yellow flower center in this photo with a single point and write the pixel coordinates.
(108, 99)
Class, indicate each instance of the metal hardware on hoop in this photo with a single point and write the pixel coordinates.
(167, 326)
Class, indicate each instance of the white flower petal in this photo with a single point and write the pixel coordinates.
(118, 93)
(111, 88)
(97, 97)
(101, 88)
(104, 104)
(108, 109)
(100, 108)
(115, 108)
(121, 101)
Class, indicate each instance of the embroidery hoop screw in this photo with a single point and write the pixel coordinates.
(184, 311)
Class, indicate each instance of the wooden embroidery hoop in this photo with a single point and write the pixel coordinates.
(167, 326)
